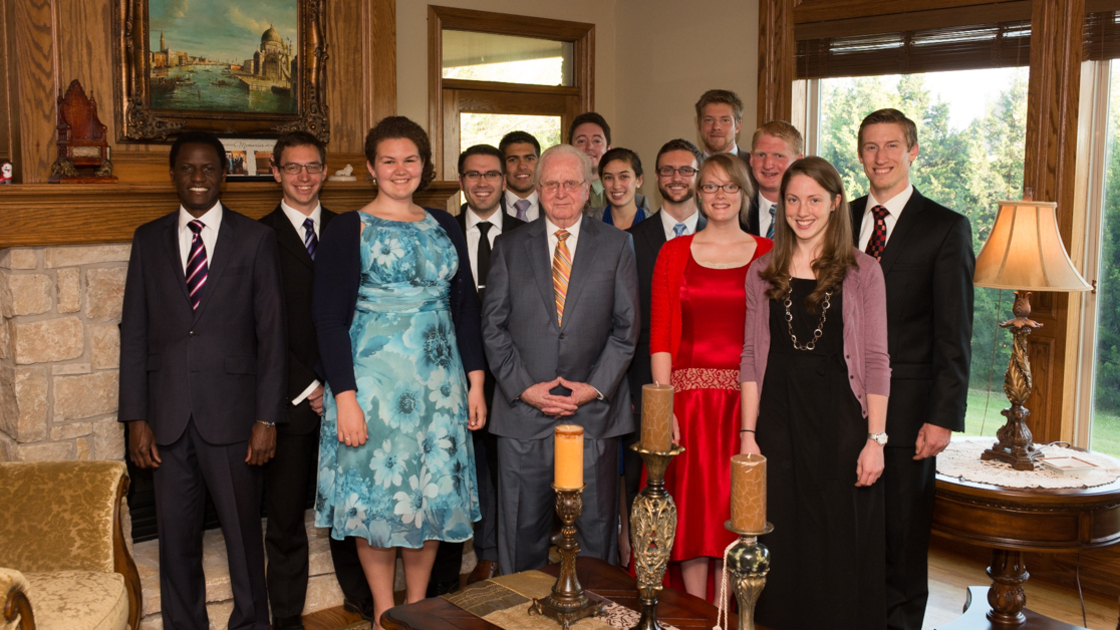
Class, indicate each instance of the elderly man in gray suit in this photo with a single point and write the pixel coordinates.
(560, 323)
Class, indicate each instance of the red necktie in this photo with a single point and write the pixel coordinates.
(878, 239)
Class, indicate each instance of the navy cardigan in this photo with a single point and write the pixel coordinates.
(337, 275)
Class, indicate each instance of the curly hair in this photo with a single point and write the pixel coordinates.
(837, 253)
(394, 127)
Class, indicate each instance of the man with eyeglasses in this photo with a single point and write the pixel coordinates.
(299, 166)
(481, 178)
(774, 146)
(560, 322)
(719, 116)
(677, 164)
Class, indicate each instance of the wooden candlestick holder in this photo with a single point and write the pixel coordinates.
(653, 526)
(567, 603)
(749, 562)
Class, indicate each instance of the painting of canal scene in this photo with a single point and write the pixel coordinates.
(216, 55)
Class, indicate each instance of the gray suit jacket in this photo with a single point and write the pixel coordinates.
(525, 346)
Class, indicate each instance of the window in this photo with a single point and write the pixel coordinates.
(490, 73)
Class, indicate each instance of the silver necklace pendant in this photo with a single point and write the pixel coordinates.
(820, 327)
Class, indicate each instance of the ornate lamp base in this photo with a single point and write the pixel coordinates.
(653, 526)
(1015, 446)
(749, 562)
(567, 603)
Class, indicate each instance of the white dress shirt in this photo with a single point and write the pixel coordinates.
(297, 218)
(733, 151)
(764, 218)
(474, 236)
(894, 208)
(668, 223)
(573, 238)
(534, 210)
(211, 223)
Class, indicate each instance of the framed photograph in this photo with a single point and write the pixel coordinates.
(247, 68)
(249, 159)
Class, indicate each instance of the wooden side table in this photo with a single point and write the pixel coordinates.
(1011, 521)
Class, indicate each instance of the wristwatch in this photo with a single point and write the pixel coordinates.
(880, 438)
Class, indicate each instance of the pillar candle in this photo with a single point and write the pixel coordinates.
(657, 417)
(569, 457)
(748, 493)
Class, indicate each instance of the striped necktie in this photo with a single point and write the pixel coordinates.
(773, 214)
(561, 271)
(310, 241)
(196, 264)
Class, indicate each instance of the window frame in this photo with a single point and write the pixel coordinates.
(445, 96)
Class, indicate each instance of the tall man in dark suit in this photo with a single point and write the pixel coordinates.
(774, 146)
(719, 117)
(925, 250)
(677, 164)
(560, 321)
(299, 166)
(202, 383)
(481, 179)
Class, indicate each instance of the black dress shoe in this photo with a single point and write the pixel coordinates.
(364, 609)
(288, 623)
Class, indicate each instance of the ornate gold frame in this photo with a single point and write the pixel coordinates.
(138, 122)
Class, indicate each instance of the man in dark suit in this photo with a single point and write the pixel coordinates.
(560, 322)
(774, 146)
(925, 250)
(677, 164)
(719, 117)
(520, 151)
(482, 221)
(299, 166)
(202, 383)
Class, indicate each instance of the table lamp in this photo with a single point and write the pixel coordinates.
(1024, 253)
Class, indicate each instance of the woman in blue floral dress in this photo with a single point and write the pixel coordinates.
(400, 343)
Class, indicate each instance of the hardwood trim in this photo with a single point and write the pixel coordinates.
(510, 24)
(435, 88)
(38, 215)
(824, 10)
(122, 559)
(777, 60)
(937, 18)
(495, 86)
(34, 80)
(380, 64)
(18, 604)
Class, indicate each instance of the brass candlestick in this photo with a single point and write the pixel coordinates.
(653, 524)
(749, 562)
(567, 603)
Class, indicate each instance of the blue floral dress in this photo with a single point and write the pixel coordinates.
(414, 479)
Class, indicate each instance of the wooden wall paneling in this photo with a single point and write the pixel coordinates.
(1050, 164)
(361, 70)
(85, 53)
(9, 116)
(777, 67)
(822, 10)
(381, 63)
(435, 92)
(36, 84)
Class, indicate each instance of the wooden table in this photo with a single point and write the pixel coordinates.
(1014, 520)
(679, 609)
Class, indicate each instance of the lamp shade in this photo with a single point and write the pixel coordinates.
(1024, 251)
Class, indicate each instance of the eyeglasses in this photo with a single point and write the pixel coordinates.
(685, 171)
(293, 168)
(474, 176)
(552, 187)
(711, 189)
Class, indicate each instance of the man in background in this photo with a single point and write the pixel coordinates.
(774, 146)
(521, 150)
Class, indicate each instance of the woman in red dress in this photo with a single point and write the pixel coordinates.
(696, 334)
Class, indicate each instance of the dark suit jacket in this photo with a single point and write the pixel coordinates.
(525, 345)
(508, 223)
(928, 265)
(752, 224)
(297, 271)
(222, 365)
(649, 236)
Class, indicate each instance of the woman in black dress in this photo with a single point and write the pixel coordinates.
(815, 380)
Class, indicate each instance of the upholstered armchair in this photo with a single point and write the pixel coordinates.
(64, 564)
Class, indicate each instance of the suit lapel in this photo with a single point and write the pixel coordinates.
(911, 216)
(582, 263)
(171, 241)
(288, 238)
(653, 238)
(223, 250)
(857, 218)
(540, 261)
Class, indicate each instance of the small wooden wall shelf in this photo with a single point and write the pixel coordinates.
(35, 215)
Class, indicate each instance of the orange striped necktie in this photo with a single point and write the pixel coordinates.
(561, 271)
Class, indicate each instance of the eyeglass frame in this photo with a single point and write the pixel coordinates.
(730, 189)
(553, 187)
(669, 171)
(299, 168)
(474, 176)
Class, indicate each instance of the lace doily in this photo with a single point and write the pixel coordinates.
(962, 460)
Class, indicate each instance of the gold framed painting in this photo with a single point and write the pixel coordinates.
(245, 68)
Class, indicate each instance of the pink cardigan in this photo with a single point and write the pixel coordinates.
(865, 329)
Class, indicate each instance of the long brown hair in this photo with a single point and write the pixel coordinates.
(836, 252)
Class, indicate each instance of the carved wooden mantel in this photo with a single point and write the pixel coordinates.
(33, 215)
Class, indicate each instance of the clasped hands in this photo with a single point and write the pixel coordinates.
(559, 406)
